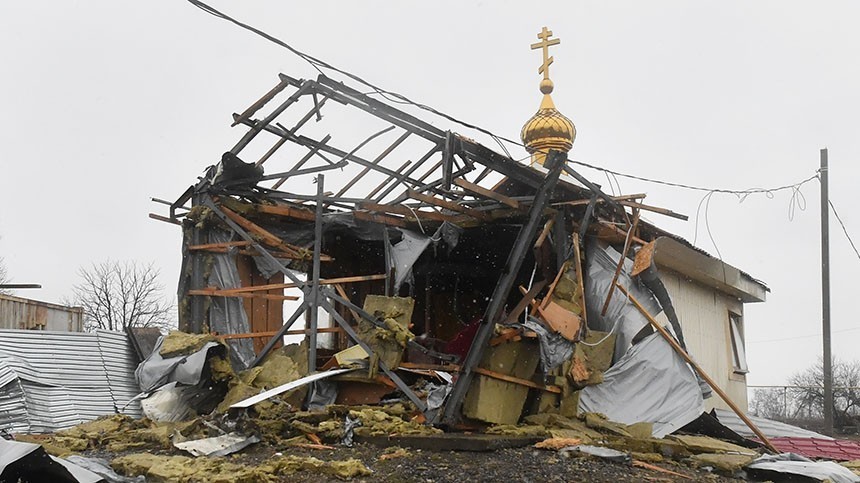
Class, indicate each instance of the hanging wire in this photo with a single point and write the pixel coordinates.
(844, 229)
(319, 65)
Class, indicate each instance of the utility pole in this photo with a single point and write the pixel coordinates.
(825, 296)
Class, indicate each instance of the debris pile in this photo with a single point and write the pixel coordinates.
(452, 297)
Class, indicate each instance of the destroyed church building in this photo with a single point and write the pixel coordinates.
(417, 249)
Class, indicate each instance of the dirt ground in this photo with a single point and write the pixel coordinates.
(506, 465)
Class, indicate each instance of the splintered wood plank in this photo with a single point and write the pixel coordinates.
(480, 190)
(327, 281)
(655, 209)
(450, 205)
(286, 211)
(290, 256)
(219, 246)
(528, 298)
(555, 281)
(165, 219)
(220, 293)
(264, 235)
(561, 320)
(618, 231)
(545, 232)
(643, 258)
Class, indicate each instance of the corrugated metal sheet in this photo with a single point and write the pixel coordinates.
(59, 379)
(769, 427)
(21, 313)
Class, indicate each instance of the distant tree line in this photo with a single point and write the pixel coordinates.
(802, 399)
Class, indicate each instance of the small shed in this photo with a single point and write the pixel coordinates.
(28, 314)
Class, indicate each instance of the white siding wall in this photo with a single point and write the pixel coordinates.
(704, 316)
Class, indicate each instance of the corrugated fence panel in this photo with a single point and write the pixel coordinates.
(13, 413)
(65, 378)
(120, 362)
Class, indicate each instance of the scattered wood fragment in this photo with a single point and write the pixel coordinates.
(312, 446)
(649, 466)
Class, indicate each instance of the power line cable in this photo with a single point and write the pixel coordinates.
(742, 193)
(401, 99)
(318, 64)
(798, 337)
(844, 229)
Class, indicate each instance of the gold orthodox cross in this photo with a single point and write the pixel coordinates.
(544, 44)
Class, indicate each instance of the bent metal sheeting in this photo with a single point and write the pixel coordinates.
(51, 381)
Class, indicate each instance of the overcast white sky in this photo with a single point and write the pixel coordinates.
(107, 103)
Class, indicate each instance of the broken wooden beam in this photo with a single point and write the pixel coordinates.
(286, 211)
(627, 243)
(486, 193)
(218, 246)
(527, 299)
(449, 205)
(516, 380)
(256, 335)
(219, 293)
(165, 219)
(681, 352)
(620, 232)
(327, 281)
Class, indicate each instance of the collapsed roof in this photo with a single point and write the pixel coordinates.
(494, 224)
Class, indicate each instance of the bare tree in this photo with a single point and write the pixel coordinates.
(846, 391)
(4, 277)
(116, 295)
(772, 403)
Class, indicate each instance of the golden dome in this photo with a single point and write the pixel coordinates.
(548, 129)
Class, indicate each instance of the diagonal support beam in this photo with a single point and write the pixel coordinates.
(452, 412)
(387, 370)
